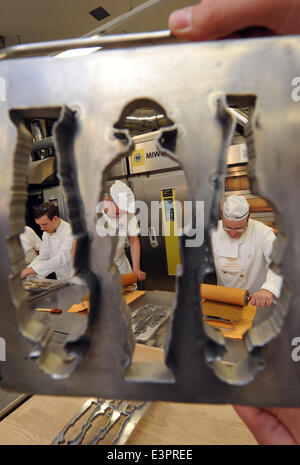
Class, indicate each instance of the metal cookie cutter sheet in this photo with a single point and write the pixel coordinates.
(194, 84)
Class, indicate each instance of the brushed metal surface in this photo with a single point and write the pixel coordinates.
(191, 82)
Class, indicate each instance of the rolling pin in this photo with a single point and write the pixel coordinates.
(223, 302)
(129, 278)
(228, 295)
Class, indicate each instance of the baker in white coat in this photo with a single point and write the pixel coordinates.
(55, 252)
(242, 248)
(120, 220)
(31, 244)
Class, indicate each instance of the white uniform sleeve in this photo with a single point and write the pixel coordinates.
(273, 282)
(133, 227)
(31, 243)
(30, 240)
(44, 264)
(36, 241)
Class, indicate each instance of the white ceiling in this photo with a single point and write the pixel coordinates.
(25, 21)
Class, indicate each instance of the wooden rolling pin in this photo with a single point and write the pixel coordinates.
(224, 294)
(129, 278)
(223, 302)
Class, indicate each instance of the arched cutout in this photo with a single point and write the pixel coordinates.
(246, 334)
(160, 239)
(59, 361)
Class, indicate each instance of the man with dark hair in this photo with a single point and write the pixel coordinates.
(48, 209)
(55, 253)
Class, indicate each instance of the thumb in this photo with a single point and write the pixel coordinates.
(265, 426)
(213, 19)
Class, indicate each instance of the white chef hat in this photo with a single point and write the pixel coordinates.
(123, 196)
(236, 208)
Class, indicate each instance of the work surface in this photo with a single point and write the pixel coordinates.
(39, 420)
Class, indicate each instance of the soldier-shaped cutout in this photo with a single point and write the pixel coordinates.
(44, 283)
(247, 247)
(154, 189)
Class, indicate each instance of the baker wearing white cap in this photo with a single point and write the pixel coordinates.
(119, 209)
(242, 248)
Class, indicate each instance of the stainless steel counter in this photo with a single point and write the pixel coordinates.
(9, 401)
(62, 298)
(66, 323)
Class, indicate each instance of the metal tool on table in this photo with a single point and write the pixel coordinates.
(220, 323)
(147, 319)
(124, 414)
(194, 85)
(50, 310)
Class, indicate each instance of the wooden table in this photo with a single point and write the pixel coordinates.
(39, 420)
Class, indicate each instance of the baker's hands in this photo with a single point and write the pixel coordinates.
(26, 272)
(272, 426)
(140, 274)
(215, 19)
(262, 298)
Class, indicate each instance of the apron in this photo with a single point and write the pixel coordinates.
(231, 271)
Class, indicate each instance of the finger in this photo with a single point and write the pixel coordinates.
(265, 427)
(258, 302)
(269, 301)
(265, 301)
(289, 417)
(212, 19)
(253, 300)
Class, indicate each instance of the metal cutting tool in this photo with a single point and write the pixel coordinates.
(194, 84)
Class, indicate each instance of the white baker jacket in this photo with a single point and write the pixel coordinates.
(31, 243)
(55, 254)
(125, 225)
(243, 262)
